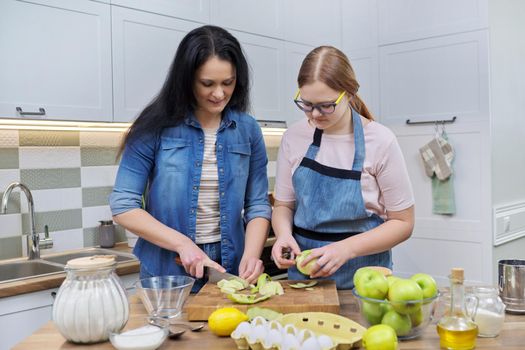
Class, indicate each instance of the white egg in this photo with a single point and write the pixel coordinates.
(290, 329)
(242, 330)
(305, 334)
(326, 342)
(290, 342)
(259, 320)
(257, 334)
(275, 325)
(273, 338)
(311, 344)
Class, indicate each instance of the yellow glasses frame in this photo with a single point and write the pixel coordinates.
(318, 106)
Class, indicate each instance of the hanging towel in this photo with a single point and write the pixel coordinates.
(437, 157)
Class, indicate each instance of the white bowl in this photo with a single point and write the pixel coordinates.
(147, 337)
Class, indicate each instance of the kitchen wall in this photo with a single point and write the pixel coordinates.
(70, 175)
(508, 123)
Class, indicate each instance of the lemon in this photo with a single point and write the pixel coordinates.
(223, 321)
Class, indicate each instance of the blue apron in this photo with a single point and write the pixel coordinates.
(329, 207)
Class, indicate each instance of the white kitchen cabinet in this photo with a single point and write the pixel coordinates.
(194, 10)
(144, 45)
(366, 67)
(359, 25)
(313, 22)
(294, 56)
(404, 20)
(21, 315)
(251, 16)
(266, 60)
(56, 57)
(436, 78)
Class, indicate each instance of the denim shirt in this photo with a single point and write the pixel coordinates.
(171, 166)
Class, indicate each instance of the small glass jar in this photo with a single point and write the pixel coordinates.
(90, 303)
(491, 311)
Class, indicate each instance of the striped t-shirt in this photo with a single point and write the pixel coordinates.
(208, 214)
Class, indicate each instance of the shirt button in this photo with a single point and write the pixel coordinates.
(197, 164)
(200, 140)
(222, 194)
(220, 146)
(195, 187)
(221, 170)
(224, 217)
(193, 211)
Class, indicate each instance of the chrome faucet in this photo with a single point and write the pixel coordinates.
(33, 239)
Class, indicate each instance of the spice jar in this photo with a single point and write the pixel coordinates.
(106, 231)
(491, 311)
(91, 302)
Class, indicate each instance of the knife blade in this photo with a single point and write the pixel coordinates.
(215, 276)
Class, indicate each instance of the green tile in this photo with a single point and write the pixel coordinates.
(272, 153)
(11, 247)
(42, 179)
(95, 196)
(92, 156)
(49, 138)
(13, 203)
(271, 184)
(91, 237)
(9, 158)
(56, 220)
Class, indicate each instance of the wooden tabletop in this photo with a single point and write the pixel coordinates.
(512, 337)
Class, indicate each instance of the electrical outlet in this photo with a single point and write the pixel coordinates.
(506, 224)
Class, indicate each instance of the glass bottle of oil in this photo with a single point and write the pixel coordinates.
(456, 329)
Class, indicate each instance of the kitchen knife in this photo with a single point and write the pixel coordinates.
(213, 275)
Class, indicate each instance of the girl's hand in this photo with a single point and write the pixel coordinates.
(250, 268)
(193, 259)
(330, 258)
(284, 251)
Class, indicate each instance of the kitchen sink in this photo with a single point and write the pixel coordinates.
(27, 269)
(64, 258)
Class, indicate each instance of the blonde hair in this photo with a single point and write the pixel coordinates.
(331, 67)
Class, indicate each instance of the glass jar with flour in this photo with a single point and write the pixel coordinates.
(91, 302)
(490, 313)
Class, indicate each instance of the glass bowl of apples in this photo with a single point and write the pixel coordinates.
(405, 304)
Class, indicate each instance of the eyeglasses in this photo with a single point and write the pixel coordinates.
(323, 107)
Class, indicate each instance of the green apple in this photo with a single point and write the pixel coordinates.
(405, 295)
(416, 317)
(305, 270)
(359, 273)
(400, 323)
(427, 284)
(391, 280)
(373, 312)
(380, 337)
(371, 284)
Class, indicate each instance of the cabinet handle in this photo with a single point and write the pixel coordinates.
(53, 295)
(21, 112)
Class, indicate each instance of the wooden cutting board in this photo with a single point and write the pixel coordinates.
(323, 298)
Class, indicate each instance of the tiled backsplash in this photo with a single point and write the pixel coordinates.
(70, 175)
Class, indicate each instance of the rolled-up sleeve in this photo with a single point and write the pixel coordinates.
(132, 176)
(256, 203)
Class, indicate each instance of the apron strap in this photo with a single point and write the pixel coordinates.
(359, 142)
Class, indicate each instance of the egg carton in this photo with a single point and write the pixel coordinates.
(304, 331)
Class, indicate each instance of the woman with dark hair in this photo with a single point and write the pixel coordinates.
(203, 161)
(347, 198)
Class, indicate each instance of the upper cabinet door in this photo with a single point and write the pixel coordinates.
(359, 24)
(366, 68)
(403, 20)
(294, 56)
(252, 16)
(436, 79)
(144, 45)
(313, 22)
(56, 57)
(195, 10)
(266, 60)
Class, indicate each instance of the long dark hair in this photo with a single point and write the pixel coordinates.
(176, 99)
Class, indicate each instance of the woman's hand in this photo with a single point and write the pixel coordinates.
(330, 258)
(250, 268)
(193, 259)
(283, 244)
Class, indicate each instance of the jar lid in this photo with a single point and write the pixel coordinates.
(89, 262)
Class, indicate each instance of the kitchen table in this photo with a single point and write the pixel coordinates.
(512, 336)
